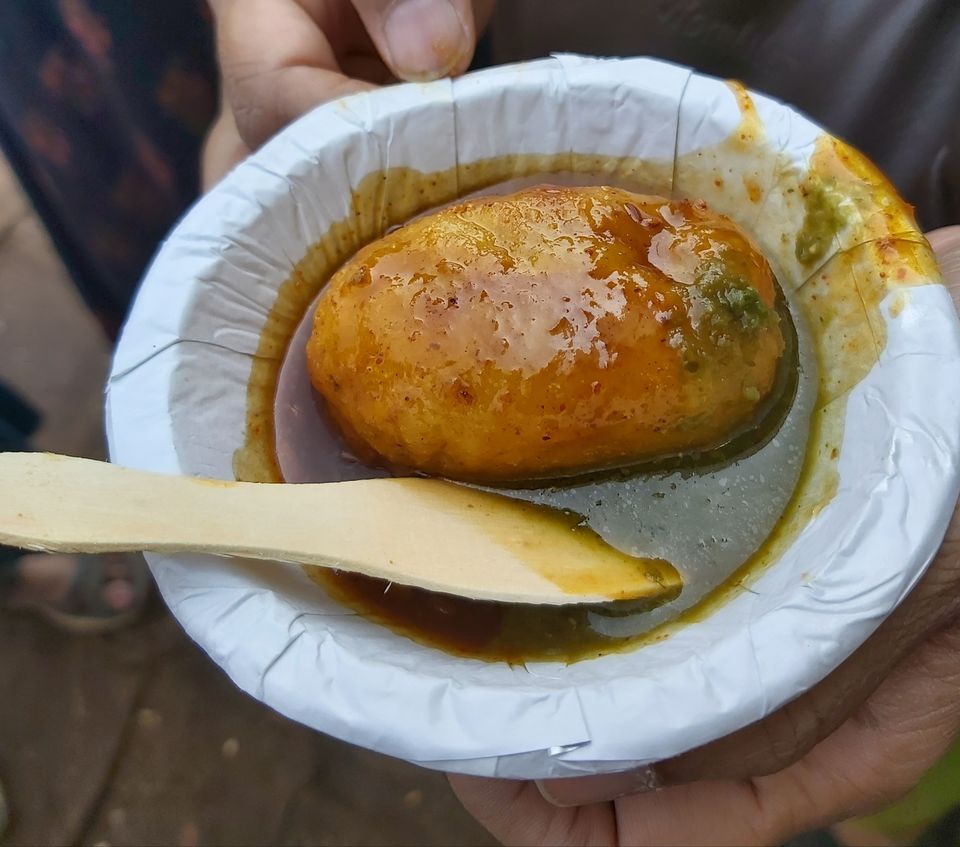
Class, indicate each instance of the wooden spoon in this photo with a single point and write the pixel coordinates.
(422, 532)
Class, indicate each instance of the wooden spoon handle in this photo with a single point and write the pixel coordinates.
(426, 533)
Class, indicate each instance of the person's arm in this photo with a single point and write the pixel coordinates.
(280, 58)
(847, 748)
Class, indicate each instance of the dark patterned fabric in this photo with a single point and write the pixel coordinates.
(103, 108)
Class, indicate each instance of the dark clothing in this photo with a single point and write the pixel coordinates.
(883, 74)
(17, 422)
(103, 108)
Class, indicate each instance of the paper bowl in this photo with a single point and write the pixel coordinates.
(865, 526)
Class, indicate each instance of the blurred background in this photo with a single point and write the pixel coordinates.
(136, 737)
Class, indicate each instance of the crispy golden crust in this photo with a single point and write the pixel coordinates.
(551, 332)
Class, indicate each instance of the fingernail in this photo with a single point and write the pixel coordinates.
(426, 39)
(584, 790)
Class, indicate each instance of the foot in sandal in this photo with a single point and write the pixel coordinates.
(80, 594)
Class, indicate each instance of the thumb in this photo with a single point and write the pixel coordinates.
(946, 244)
(421, 39)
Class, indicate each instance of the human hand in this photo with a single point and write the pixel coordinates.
(280, 58)
(848, 747)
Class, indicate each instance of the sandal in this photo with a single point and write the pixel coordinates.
(83, 609)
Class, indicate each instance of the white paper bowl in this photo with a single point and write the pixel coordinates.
(177, 403)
